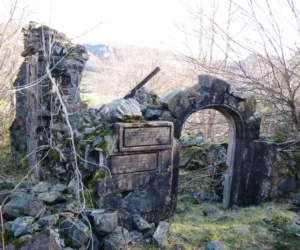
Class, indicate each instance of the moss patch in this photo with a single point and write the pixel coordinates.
(237, 229)
(100, 174)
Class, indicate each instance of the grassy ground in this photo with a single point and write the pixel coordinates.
(198, 222)
(238, 229)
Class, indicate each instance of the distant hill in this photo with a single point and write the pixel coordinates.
(102, 51)
(113, 70)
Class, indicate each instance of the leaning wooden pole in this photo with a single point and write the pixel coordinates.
(142, 83)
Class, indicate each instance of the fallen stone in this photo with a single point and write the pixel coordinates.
(41, 187)
(153, 113)
(215, 245)
(73, 186)
(140, 224)
(267, 220)
(88, 131)
(21, 194)
(34, 208)
(105, 223)
(59, 188)
(49, 220)
(16, 206)
(51, 197)
(34, 227)
(121, 110)
(21, 225)
(118, 239)
(93, 212)
(46, 240)
(135, 235)
(76, 231)
(150, 233)
(161, 233)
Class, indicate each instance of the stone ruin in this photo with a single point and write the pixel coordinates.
(122, 158)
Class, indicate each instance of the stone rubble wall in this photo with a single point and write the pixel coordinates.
(66, 200)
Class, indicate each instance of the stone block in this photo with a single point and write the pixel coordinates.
(105, 223)
(119, 239)
(231, 101)
(200, 99)
(76, 231)
(247, 108)
(121, 110)
(178, 103)
(161, 233)
(216, 88)
(44, 241)
(16, 206)
(252, 127)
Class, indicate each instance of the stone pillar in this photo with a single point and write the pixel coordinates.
(254, 180)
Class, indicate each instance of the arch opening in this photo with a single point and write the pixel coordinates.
(233, 131)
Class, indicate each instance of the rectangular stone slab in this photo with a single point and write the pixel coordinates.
(145, 136)
(121, 164)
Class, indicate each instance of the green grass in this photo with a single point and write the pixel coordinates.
(237, 229)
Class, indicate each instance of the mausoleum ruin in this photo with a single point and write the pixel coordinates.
(126, 152)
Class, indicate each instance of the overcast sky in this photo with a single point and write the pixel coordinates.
(146, 23)
(139, 22)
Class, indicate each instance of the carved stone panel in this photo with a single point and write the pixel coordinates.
(121, 164)
(139, 136)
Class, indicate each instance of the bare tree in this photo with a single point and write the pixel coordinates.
(11, 21)
(208, 57)
(272, 69)
(258, 55)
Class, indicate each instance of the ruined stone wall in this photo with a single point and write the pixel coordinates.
(121, 158)
(38, 107)
(48, 102)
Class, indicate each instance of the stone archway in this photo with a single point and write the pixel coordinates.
(250, 160)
